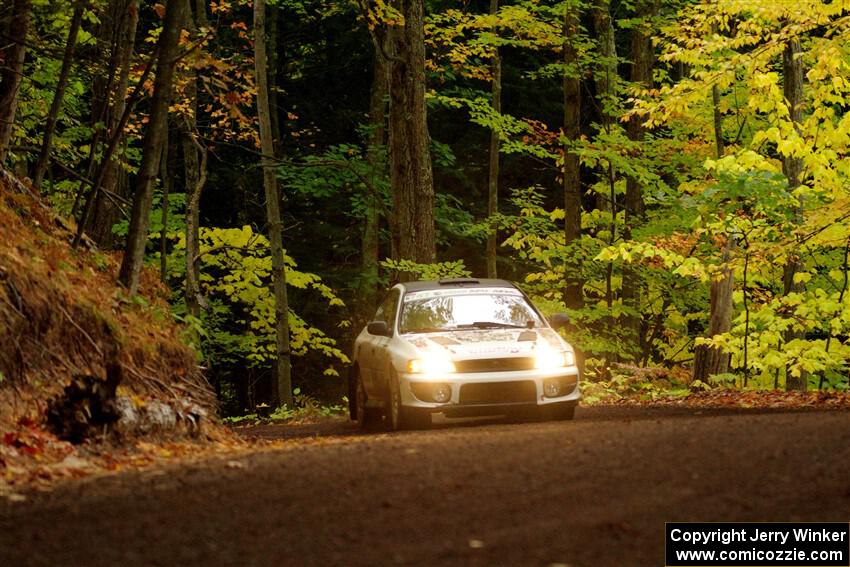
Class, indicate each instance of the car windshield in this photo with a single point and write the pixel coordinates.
(434, 311)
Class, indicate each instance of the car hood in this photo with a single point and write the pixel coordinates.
(486, 343)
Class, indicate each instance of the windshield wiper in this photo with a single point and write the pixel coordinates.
(490, 325)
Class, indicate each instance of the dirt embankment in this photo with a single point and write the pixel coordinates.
(78, 358)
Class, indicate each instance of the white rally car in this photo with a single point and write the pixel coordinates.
(460, 347)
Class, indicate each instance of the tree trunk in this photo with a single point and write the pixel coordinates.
(59, 95)
(792, 167)
(201, 13)
(573, 294)
(709, 361)
(106, 50)
(165, 176)
(642, 59)
(194, 161)
(718, 122)
(12, 70)
(412, 225)
(194, 300)
(370, 244)
(272, 35)
(493, 173)
(605, 78)
(605, 74)
(137, 237)
(284, 379)
(121, 35)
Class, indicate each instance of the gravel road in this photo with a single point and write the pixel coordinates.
(592, 492)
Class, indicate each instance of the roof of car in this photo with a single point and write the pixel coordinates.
(448, 283)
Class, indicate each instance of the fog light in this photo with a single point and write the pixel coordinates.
(552, 388)
(442, 393)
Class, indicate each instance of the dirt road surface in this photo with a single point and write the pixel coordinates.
(587, 493)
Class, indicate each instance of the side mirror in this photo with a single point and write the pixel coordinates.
(378, 328)
(559, 320)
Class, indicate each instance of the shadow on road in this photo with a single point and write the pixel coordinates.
(342, 427)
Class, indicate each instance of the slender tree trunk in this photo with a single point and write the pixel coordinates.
(642, 59)
(709, 361)
(571, 174)
(272, 34)
(370, 245)
(124, 21)
(194, 161)
(165, 176)
(720, 145)
(283, 366)
(59, 95)
(12, 70)
(102, 83)
(194, 300)
(605, 78)
(137, 237)
(493, 173)
(792, 167)
(411, 177)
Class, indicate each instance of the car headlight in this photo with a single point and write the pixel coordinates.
(432, 365)
(551, 358)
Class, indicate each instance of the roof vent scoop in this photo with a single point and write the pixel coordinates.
(527, 336)
(458, 281)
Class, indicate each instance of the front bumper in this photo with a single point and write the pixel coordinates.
(479, 381)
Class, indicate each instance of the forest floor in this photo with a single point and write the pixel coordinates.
(594, 491)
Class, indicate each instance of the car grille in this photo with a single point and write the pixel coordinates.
(523, 391)
(495, 364)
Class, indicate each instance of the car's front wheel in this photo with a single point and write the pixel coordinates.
(399, 417)
(364, 416)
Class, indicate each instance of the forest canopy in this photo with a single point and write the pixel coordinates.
(674, 175)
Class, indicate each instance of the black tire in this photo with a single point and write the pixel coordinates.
(365, 417)
(564, 411)
(398, 417)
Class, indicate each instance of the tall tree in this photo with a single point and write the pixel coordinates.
(167, 184)
(282, 347)
(641, 75)
(12, 70)
(370, 243)
(709, 360)
(605, 78)
(571, 174)
(411, 177)
(792, 167)
(59, 94)
(116, 42)
(168, 45)
(194, 161)
(493, 171)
